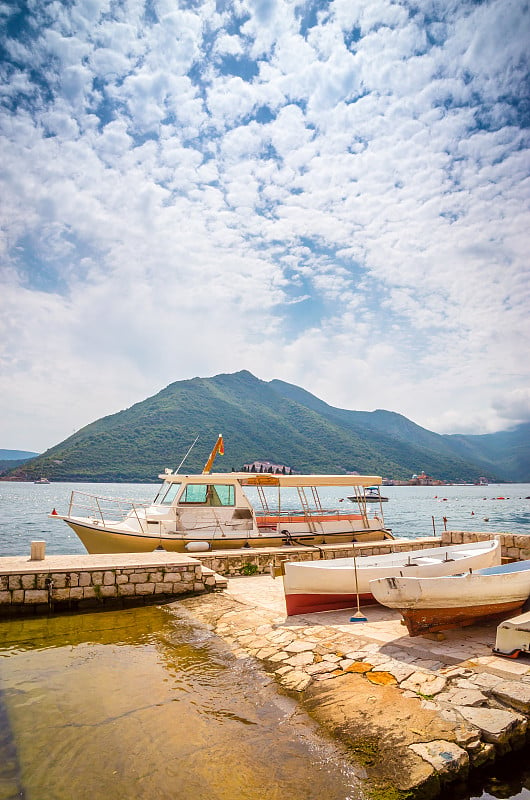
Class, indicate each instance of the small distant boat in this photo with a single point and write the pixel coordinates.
(370, 495)
(335, 583)
(429, 605)
(42, 480)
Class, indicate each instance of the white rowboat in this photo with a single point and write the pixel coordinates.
(513, 636)
(436, 604)
(331, 584)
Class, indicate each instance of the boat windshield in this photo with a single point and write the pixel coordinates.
(167, 494)
(208, 494)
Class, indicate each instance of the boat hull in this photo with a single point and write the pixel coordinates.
(333, 584)
(420, 621)
(98, 539)
(429, 605)
(513, 637)
(309, 603)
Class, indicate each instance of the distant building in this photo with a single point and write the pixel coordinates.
(424, 480)
(268, 466)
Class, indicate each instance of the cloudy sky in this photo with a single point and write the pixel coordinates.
(331, 193)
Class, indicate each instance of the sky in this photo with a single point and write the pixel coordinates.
(335, 194)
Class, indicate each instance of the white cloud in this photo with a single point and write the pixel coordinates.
(353, 218)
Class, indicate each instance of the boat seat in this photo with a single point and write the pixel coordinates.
(427, 560)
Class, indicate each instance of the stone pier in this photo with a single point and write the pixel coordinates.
(78, 582)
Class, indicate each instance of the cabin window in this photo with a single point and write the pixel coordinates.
(208, 494)
(170, 495)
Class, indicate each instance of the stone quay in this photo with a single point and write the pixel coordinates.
(80, 582)
(418, 713)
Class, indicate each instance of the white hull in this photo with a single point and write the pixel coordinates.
(103, 539)
(434, 604)
(331, 584)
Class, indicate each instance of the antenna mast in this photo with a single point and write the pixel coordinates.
(187, 454)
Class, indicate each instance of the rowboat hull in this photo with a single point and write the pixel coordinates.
(430, 605)
(335, 583)
(420, 621)
(513, 637)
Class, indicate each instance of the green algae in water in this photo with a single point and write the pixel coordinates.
(143, 704)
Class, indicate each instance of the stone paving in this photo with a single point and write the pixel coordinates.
(481, 702)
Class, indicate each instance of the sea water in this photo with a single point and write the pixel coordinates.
(411, 511)
(146, 704)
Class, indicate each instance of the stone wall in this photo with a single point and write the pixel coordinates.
(251, 561)
(514, 547)
(37, 587)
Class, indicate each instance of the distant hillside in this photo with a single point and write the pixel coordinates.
(10, 459)
(507, 452)
(267, 420)
(16, 455)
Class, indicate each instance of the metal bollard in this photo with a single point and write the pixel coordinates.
(38, 550)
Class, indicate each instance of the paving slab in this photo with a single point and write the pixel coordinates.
(385, 631)
(420, 709)
(84, 561)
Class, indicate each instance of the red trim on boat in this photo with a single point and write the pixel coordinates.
(309, 603)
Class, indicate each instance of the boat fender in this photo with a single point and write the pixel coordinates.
(197, 547)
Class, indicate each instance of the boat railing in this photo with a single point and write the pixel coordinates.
(103, 509)
(311, 512)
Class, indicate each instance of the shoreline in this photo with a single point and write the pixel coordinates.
(455, 708)
(417, 713)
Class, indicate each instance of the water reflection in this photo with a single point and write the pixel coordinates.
(508, 779)
(140, 704)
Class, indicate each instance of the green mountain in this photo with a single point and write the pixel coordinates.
(506, 452)
(273, 421)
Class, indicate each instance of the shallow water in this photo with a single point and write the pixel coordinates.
(144, 704)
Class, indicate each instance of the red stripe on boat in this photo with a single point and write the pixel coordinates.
(308, 603)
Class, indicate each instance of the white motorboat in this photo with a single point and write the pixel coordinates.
(335, 583)
(436, 604)
(213, 511)
(370, 495)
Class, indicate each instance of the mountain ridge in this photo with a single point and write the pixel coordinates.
(272, 420)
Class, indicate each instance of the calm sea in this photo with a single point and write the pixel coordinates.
(411, 511)
(145, 704)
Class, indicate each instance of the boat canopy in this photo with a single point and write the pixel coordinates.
(269, 479)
